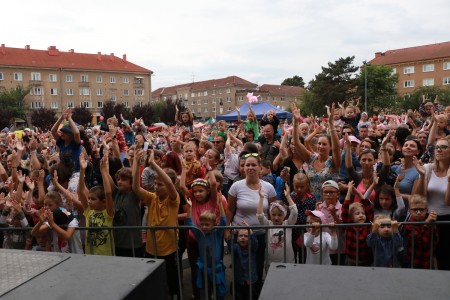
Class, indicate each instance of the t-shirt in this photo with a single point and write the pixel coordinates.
(70, 152)
(247, 202)
(98, 242)
(161, 213)
(127, 213)
(411, 174)
(254, 126)
(73, 245)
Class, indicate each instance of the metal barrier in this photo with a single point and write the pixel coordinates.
(4, 231)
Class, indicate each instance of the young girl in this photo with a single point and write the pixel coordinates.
(355, 236)
(389, 201)
(65, 237)
(194, 168)
(185, 118)
(301, 195)
(352, 115)
(279, 238)
(98, 210)
(318, 245)
(250, 123)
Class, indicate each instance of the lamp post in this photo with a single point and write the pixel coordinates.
(365, 84)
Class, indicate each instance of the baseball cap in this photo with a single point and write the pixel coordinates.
(27, 129)
(318, 214)
(330, 183)
(66, 129)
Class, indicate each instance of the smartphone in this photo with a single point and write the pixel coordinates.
(145, 146)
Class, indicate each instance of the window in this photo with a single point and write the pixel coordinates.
(205, 101)
(69, 92)
(53, 91)
(84, 104)
(52, 77)
(36, 104)
(140, 103)
(213, 109)
(199, 102)
(113, 98)
(54, 104)
(112, 79)
(126, 80)
(228, 90)
(274, 99)
(126, 92)
(394, 70)
(446, 80)
(35, 76)
(99, 78)
(428, 68)
(228, 108)
(84, 92)
(199, 110)
(268, 98)
(228, 99)
(428, 82)
(192, 94)
(193, 102)
(69, 104)
(69, 78)
(139, 92)
(408, 83)
(199, 94)
(18, 76)
(99, 104)
(408, 70)
(446, 65)
(283, 99)
(220, 91)
(205, 109)
(126, 104)
(205, 93)
(37, 91)
(1, 75)
(213, 92)
(241, 98)
(84, 78)
(139, 80)
(99, 92)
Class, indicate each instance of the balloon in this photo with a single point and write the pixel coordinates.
(101, 118)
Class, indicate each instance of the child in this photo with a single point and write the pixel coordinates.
(301, 195)
(384, 203)
(65, 237)
(250, 123)
(116, 133)
(14, 239)
(270, 118)
(419, 235)
(193, 166)
(352, 115)
(163, 207)
(98, 210)
(355, 236)
(243, 252)
(186, 119)
(318, 245)
(222, 129)
(386, 242)
(266, 172)
(211, 240)
(279, 238)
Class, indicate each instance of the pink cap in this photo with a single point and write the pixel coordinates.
(318, 214)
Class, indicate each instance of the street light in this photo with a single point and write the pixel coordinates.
(365, 63)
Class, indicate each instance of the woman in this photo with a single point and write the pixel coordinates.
(321, 166)
(433, 183)
(287, 157)
(243, 199)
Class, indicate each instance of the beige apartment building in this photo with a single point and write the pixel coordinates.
(219, 96)
(427, 65)
(61, 79)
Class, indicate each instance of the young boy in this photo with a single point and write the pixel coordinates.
(222, 129)
(420, 234)
(386, 242)
(266, 172)
(212, 238)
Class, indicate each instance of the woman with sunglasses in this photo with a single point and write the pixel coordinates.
(321, 166)
(433, 183)
(243, 200)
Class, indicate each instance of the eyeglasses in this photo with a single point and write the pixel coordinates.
(251, 154)
(441, 147)
(416, 210)
(329, 193)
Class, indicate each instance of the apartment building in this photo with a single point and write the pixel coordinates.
(427, 65)
(61, 79)
(219, 96)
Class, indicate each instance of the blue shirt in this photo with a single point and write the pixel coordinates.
(70, 152)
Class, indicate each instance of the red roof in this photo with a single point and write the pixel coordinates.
(53, 58)
(221, 82)
(419, 53)
(281, 89)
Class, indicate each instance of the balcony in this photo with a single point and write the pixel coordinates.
(138, 85)
(84, 84)
(35, 82)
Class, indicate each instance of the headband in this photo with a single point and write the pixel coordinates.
(277, 205)
(200, 182)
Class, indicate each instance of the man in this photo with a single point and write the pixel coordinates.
(363, 132)
(270, 143)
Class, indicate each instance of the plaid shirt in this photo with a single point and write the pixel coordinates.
(120, 140)
(352, 240)
(302, 205)
(422, 243)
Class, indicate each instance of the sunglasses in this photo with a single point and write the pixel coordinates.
(441, 147)
(251, 154)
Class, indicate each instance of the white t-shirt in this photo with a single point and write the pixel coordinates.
(312, 244)
(437, 188)
(247, 202)
(73, 245)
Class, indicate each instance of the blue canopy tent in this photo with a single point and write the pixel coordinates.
(259, 108)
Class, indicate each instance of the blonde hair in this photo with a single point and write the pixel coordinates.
(354, 206)
(417, 199)
(381, 217)
(208, 215)
(300, 177)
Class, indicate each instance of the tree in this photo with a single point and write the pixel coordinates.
(108, 109)
(168, 112)
(145, 112)
(14, 99)
(158, 108)
(44, 118)
(335, 83)
(6, 114)
(82, 116)
(413, 101)
(294, 81)
(381, 91)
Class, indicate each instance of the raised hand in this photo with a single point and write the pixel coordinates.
(104, 164)
(83, 161)
(287, 190)
(432, 217)
(261, 192)
(419, 166)
(55, 178)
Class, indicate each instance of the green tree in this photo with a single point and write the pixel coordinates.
(108, 109)
(145, 112)
(403, 103)
(381, 91)
(168, 112)
(294, 81)
(6, 114)
(14, 99)
(43, 118)
(82, 116)
(335, 83)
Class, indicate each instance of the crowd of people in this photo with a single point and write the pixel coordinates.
(377, 174)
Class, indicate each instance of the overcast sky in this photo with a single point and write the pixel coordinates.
(263, 41)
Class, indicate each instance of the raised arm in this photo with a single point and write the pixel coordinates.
(302, 152)
(75, 131)
(238, 110)
(335, 148)
(140, 192)
(421, 186)
(104, 169)
(81, 190)
(55, 126)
